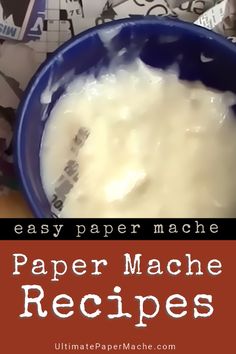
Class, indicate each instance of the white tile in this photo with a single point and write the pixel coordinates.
(53, 4)
(51, 46)
(43, 36)
(64, 36)
(52, 36)
(40, 46)
(64, 26)
(53, 14)
(53, 25)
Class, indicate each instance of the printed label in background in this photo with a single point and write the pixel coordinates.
(213, 17)
(22, 22)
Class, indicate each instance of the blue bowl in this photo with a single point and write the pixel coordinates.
(160, 42)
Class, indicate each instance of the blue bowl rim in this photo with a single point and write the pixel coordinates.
(19, 133)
